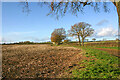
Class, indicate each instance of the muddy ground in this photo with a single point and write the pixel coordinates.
(31, 61)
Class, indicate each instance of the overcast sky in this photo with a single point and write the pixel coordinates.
(36, 26)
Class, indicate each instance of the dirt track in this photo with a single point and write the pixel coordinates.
(114, 52)
(30, 61)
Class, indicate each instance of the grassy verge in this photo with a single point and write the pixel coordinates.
(100, 65)
(118, 48)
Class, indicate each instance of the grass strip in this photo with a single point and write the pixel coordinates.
(100, 65)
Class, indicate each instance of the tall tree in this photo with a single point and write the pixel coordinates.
(117, 4)
(58, 35)
(82, 30)
(86, 30)
(75, 31)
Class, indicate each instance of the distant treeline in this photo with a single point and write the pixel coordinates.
(109, 43)
(27, 42)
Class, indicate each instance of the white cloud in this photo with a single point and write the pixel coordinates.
(106, 32)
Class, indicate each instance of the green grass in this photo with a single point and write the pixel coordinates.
(118, 48)
(100, 65)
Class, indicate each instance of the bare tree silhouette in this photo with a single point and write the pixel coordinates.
(74, 6)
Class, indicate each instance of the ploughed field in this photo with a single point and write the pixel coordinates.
(31, 61)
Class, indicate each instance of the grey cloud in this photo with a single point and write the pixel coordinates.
(104, 21)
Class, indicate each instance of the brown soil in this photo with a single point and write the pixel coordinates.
(31, 61)
(114, 52)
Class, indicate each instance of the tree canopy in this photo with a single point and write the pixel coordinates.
(58, 35)
(82, 30)
(93, 39)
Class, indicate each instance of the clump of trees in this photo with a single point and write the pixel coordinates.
(81, 30)
(26, 42)
(117, 39)
(58, 35)
(94, 39)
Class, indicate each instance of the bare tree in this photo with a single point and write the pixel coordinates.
(82, 30)
(58, 35)
(74, 6)
(75, 31)
(86, 30)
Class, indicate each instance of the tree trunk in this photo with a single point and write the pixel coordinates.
(83, 37)
(117, 4)
(118, 11)
(119, 17)
(79, 40)
(82, 41)
(119, 20)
